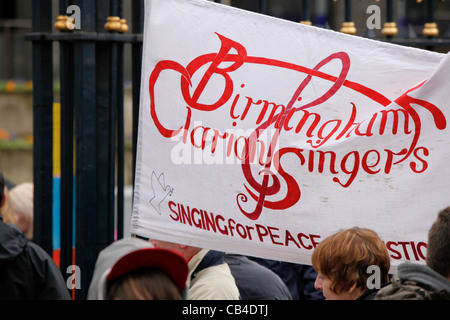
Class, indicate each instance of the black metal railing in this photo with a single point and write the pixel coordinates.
(92, 127)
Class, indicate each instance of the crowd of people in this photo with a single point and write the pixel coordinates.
(135, 268)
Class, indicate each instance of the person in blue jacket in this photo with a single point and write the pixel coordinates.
(298, 278)
(254, 281)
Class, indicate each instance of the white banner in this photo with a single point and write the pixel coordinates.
(262, 136)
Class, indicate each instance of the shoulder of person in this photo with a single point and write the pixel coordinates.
(403, 290)
(214, 283)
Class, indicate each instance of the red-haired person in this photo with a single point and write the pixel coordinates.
(347, 263)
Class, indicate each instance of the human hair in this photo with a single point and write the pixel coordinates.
(7, 210)
(438, 249)
(21, 203)
(21, 197)
(2, 188)
(143, 284)
(345, 256)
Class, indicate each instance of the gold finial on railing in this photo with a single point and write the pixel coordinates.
(430, 30)
(116, 24)
(348, 28)
(113, 24)
(61, 23)
(389, 29)
(123, 26)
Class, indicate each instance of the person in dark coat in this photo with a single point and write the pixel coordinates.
(254, 281)
(27, 272)
(298, 278)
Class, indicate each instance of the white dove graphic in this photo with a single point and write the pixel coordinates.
(160, 191)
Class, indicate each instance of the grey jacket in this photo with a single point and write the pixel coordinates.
(416, 282)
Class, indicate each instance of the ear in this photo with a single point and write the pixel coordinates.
(352, 288)
(355, 292)
(3, 200)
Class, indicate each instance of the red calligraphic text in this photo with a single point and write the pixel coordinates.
(217, 223)
(407, 250)
(294, 115)
(228, 227)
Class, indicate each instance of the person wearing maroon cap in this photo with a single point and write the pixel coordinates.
(133, 269)
(210, 277)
